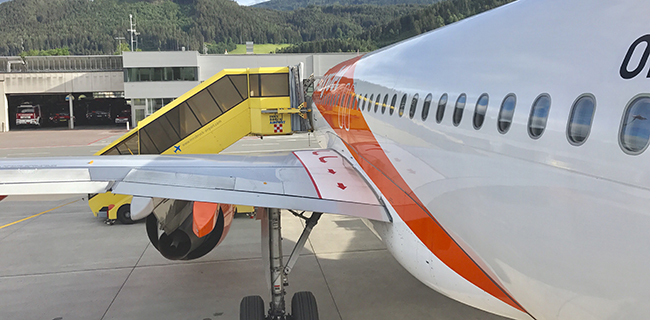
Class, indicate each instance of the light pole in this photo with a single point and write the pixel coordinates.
(70, 97)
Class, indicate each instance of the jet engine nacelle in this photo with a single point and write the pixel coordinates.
(187, 230)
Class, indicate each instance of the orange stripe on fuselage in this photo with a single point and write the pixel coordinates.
(374, 161)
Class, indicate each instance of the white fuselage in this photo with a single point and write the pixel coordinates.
(562, 227)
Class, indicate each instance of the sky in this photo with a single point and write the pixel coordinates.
(245, 2)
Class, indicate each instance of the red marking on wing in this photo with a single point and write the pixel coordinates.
(310, 176)
(342, 186)
(329, 170)
(322, 159)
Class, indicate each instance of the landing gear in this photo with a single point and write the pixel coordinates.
(252, 308)
(303, 304)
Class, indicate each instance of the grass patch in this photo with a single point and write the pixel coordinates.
(259, 48)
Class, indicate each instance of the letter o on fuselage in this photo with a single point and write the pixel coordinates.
(625, 73)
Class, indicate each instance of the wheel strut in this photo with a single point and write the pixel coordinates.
(272, 250)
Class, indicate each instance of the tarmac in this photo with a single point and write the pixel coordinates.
(66, 264)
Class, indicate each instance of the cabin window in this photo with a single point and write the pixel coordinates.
(442, 104)
(635, 126)
(480, 110)
(426, 106)
(414, 105)
(377, 102)
(539, 116)
(372, 96)
(402, 105)
(506, 113)
(357, 101)
(458, 110)
(348, 100)
(580, 119)
(384, 104)
(392, 104)
(363, 106)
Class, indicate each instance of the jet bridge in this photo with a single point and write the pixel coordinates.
(209, 118)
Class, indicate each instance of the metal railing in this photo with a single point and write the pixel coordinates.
(38, 64)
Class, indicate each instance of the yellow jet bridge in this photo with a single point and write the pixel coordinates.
(207, 119)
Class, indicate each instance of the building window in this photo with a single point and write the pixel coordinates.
(539, 116)
(458, 110)
(635, 126)
(161, 74)
(480, 110)
(442, 104)
(580, 119)
(506, 113)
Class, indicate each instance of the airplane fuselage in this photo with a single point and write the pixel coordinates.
(537, 211)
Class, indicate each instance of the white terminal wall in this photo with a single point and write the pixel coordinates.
(63, 82)
(317, 64)
(209, 65)
(159, 59)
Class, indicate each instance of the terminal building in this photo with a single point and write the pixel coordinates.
(142, 82)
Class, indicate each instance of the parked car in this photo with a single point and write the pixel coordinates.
(96, 115)
(59, 117)
(123, 117)
(30, 114)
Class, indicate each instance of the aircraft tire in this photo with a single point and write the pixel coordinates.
(124, 214)
(303, 306)
(252, 308)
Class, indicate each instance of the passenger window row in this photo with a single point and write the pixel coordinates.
(634, 132)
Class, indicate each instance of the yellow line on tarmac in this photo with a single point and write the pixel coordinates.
(36, 215)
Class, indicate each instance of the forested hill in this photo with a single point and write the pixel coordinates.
(297, 4)
(91, 27)
(429, 18)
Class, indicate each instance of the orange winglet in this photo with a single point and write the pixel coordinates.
(204, 218)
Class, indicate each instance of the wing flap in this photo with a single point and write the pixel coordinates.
(26, 181)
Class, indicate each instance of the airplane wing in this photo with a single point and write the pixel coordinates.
(318, 180)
